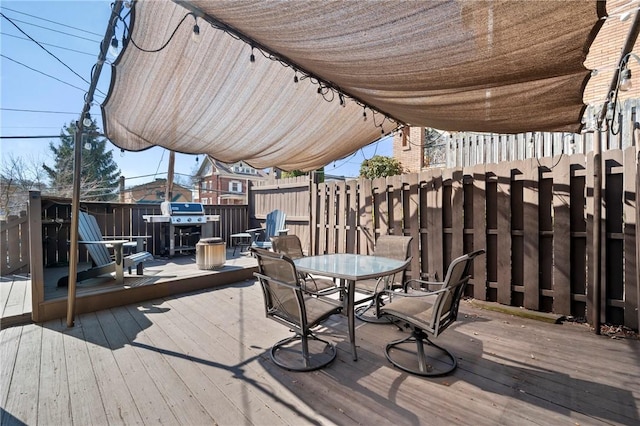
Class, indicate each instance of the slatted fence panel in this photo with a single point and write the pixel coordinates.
(14, 244)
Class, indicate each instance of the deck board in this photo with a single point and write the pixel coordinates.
(202, 358)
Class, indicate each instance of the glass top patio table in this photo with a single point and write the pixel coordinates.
(350, 267)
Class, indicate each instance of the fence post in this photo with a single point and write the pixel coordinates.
(35, 253)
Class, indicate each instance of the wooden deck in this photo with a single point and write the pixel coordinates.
(202, 358)
(15, 290)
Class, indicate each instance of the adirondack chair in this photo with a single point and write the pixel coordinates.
(103, 263)
(274, 227)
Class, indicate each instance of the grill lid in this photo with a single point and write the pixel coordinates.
(169, 208)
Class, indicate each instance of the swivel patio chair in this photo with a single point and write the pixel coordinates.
(291, 246)
(274, 226)
(286, 303)
(391, 246)
(427, 308)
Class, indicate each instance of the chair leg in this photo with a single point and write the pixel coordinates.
(303, 353)
(375, 318)
(424, 367)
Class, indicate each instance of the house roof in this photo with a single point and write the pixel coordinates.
(490, 66)
(227, 170)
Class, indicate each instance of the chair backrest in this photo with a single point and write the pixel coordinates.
(288, 245)
(283, 298)
(394, 247)
(88, 230)
(275, 221)
(445, 309)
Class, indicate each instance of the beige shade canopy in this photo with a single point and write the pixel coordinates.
(488, 66)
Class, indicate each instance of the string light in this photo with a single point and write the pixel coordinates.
(113, 49)
(87, 120)
(326, 89)
(195, 35)
(625, 80)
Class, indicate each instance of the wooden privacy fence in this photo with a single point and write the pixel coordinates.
(533, 217)
(113, 219)
(14, 244)
(291, 195)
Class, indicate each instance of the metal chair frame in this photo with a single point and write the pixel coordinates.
(384, 247)
(279, 295)
(407, 307)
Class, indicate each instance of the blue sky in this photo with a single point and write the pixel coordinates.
(49, 89)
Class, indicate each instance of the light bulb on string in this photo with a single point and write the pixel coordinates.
(87, 122)
(113, 48)
(195, 35)
(625, 80)
(364, 115)
(252, 58)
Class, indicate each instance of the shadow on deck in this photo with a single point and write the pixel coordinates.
(203, 358)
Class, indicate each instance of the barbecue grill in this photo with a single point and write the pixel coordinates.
(182, 221)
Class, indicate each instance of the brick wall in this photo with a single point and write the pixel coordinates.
(605, 54)
(408, 148)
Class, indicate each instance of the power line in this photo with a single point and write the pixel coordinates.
(34, 110)
(55, 31)
(45, 49)
(48, 75)
(48, 44)
(29, 137)
(53, 22)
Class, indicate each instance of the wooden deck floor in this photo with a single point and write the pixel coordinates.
(202, 358)
(15, 290)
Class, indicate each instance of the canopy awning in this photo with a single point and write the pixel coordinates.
(487, 66)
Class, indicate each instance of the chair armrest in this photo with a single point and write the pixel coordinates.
(281, 232)
(251, 231)
(422, 285)
(281, 283)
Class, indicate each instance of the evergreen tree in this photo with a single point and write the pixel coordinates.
(100, 173)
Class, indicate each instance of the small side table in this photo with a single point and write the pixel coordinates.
(240, 240)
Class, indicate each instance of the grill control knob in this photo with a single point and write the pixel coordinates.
(178, 219)
(188, 219)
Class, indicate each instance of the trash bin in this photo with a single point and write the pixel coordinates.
(211, 253)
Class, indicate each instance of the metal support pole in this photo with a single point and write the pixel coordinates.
(630, 41)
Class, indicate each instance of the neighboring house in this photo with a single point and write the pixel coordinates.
(154, 192)
(221, 183)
